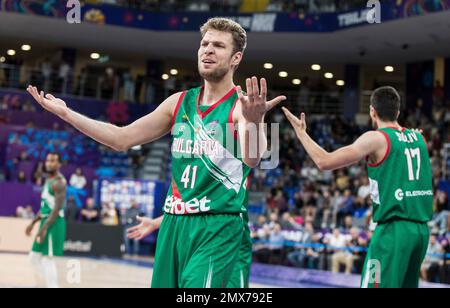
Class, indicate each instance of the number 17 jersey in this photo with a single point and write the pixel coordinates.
(401, 184)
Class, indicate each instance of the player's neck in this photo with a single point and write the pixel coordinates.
(214, 91)
(389, 125)
(53, 175)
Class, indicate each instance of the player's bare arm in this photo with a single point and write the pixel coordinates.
(145, 130)
(30, 227)
(59, 187)
(371, 144)
(251, 109)
(146, 227)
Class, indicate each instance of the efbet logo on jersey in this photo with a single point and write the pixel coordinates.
(176, 206)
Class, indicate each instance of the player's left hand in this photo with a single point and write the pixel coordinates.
(41, 236)
(254, 102)
(299, 124)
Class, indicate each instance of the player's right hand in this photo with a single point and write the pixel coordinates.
(49, 102)
(29, 230)
(146, 227)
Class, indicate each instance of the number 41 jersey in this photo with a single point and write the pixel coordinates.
(401, 184)
(208, 174)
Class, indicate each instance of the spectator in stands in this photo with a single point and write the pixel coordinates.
(78, 180)
(109, 215)
(441, 216)
(21, 177)
(445, 269)
(338, 243)
(299, 256)
(128, 87)
(438, 94)
(324, 210)
(25, 212)
(276, 244)
(38, 175)
(432, 261)
(288, 222)
(71, 209)
(82, 80)
(46, 69)
(274, 219)
(128, 220)
(63, 77)
(347, 207)
(90, 213)
(357, 244)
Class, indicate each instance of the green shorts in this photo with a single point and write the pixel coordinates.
(395, 255)
(197, 251)
(240, 278)
(53, 245)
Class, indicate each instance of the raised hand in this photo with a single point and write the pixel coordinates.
(49, 102)
(146, 227)
(299, 125)
(254, 102)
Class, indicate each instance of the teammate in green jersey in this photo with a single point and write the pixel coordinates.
(400, 176)
(202, 229)
(50, 239)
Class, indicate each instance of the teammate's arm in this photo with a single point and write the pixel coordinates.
(371, 144)
(148, 128)
(249, 114)
(146, 227)
(32, 224)
(59, 189)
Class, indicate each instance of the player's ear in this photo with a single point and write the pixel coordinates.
(237, 58)
(373, 112)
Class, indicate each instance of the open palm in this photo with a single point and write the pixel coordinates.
(146, 227)
(49, 102)
(254, 102)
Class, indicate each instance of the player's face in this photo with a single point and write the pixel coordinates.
(52, 163)
(215, 55)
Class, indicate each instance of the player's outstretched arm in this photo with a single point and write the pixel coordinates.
(144, 130)
(371, 144)
(59, 187)
(146, 227)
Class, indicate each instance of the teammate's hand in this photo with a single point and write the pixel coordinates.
(29, 230)
(49, 102)
(146, 227)
(41, 236)
(254, 102)
(298, 124)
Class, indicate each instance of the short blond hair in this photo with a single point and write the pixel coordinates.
(230, 26)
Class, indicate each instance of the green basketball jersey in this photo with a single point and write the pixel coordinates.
(208, 174)
(401, 185)
(48, 199)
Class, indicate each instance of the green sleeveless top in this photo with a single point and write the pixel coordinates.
(401, 184)
(208, 174)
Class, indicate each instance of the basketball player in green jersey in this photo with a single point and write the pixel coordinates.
(400, 177)
(202, 230)
(50, 239)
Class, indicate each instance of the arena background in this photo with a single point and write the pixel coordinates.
(126, 56)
